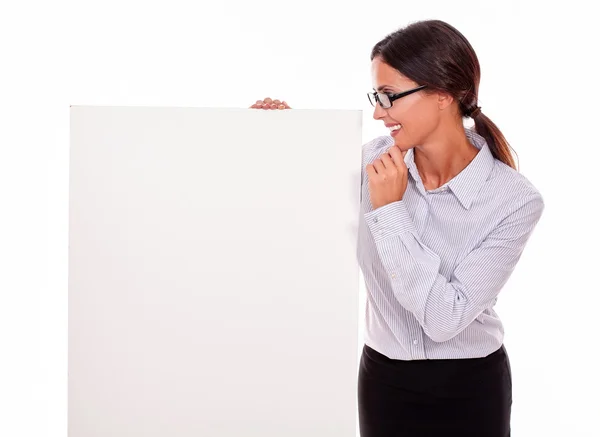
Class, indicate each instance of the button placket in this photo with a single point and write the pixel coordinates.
(423, 213)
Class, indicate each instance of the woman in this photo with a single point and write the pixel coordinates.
(445, 219)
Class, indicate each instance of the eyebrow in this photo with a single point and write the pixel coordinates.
(382, 87)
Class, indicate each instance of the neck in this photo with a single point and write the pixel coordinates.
(443, 155)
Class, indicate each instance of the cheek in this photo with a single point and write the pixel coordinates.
(398, 114)
(417, 120)
(406, 113)
(414, 128)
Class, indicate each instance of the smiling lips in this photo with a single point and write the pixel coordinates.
(394, 128)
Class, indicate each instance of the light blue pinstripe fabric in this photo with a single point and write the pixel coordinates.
(435, 261)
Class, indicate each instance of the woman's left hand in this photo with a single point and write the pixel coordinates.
(388, 178)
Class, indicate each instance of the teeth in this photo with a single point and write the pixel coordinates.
(393, 128)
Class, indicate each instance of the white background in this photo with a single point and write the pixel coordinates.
(538, 84)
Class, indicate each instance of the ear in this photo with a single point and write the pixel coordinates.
(444, 100)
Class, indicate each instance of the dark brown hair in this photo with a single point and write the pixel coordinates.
(434, 53)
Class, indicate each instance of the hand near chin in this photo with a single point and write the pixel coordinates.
(388, 177)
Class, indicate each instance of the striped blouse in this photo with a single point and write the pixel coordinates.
(435, 262)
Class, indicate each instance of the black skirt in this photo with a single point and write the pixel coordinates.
(457, 397)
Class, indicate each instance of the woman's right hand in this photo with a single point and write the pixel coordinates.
(268, 103)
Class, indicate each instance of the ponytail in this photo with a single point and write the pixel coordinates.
(495, 139)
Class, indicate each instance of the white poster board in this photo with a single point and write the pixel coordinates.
(213, 282)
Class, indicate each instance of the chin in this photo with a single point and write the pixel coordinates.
(404, 148)
(401, 146)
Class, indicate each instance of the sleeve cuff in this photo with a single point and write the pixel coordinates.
(390, 220)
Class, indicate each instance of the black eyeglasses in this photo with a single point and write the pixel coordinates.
(386, 99)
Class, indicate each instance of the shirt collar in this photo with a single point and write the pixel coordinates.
(467, 184)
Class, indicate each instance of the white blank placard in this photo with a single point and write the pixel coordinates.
(213, 282)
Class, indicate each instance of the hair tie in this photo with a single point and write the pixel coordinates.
(475, 112)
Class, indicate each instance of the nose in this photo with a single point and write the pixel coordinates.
(379, 112)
